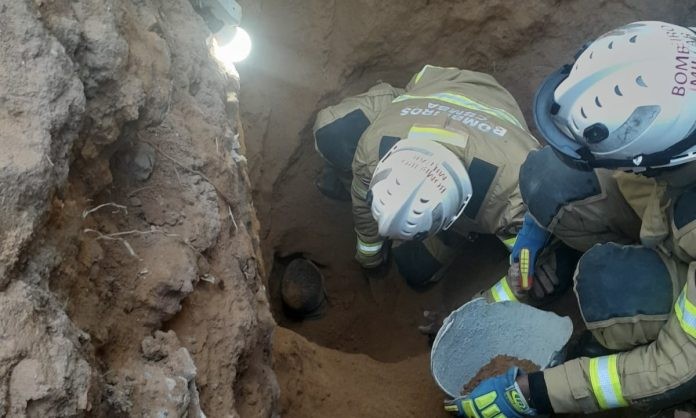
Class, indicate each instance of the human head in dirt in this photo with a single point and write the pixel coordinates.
(302, 290)
(619, 184)
(427, 168)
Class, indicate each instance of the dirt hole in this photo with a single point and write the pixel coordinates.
(367, 346)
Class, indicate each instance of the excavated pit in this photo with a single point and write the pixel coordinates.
(135, 276)
(365, 357)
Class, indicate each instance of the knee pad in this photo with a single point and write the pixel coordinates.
(617, 283)
(415, 263)
(547, 184)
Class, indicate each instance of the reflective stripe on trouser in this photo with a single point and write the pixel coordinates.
(502, 292)
(606, 384)
(368, 248)
(686, 313)
(463, 101)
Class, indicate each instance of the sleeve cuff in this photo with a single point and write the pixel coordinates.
(538, 393)
(568, 390)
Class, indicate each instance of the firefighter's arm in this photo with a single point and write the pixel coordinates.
(654, 375)
(369, 245)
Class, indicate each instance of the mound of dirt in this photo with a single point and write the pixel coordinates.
(317, 379)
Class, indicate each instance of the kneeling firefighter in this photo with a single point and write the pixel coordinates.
(426, 167)
(619, 183)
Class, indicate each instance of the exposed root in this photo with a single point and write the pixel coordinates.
(117, 236)
(112, 237)
(136, 191)
(115, 205)
(194, 171)
(232, 218)
(206, 178)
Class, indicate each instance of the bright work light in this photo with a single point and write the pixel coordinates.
(231, 43)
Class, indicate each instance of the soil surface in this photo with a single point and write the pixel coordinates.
(497, 366)
(308, 55)
(318, 379)
(134, 273)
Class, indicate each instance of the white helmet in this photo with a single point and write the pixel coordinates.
(418, 188)
(628, 101)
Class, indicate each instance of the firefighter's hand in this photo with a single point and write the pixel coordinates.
(499, 397)
(529, 242)
(545, 280)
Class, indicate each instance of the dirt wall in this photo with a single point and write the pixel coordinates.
(130, 271)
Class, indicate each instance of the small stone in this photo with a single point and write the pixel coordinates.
(203, 265)
(135, 201)
(143, 161)
(171, 383)
(182, 361)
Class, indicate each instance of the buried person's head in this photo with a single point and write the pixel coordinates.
(302, 289)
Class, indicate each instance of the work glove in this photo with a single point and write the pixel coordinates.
(498, 397)
(530, 241)
(553, 275)
(545, 279)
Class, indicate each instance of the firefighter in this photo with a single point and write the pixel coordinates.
(619, 183)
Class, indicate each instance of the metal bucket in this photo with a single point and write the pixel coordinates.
(477, 332)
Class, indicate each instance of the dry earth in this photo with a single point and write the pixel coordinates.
(133, 269)
(130, 268)
(308, 54)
